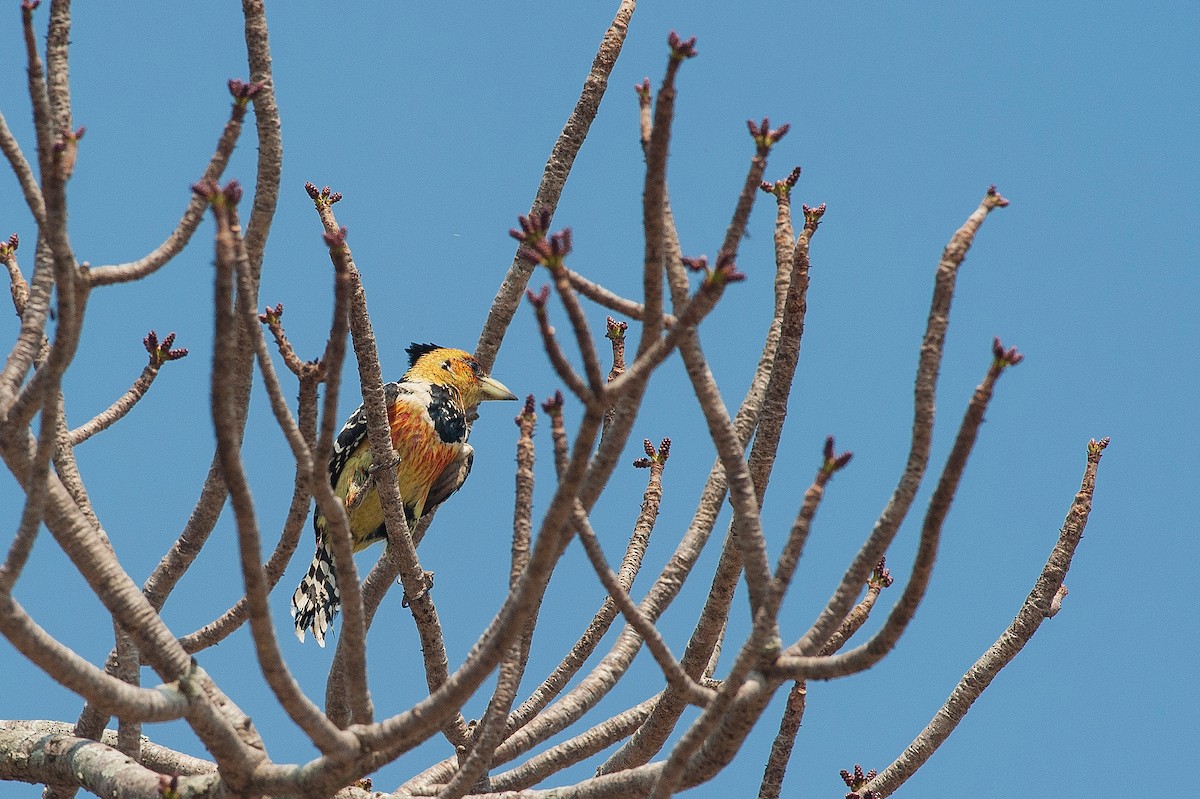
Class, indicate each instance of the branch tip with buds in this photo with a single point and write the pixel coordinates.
(1003, 358)
(243, 91)
(764, 137)
(857, 781)
(643, 92)
(549, 251)
(654, 456)
(812, 216)
(725, 272)
(880, 577)
(783, 187)
(232, 192)
(271, 317)
(322, 197)
(681, 49)
(539, 299)
(554, 405)
(533, 227)
(528, 413)
(161, 352)
(226, 197)
(831, 461)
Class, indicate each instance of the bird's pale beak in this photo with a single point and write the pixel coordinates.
(495, 390)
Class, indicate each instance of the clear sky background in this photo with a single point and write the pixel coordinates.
(435, 121)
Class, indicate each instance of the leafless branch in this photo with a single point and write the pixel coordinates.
(232, 266)
(159, 354)
(347, 698)
(793, 712)
(675, 675)
(881, 643)
(540, 736)
(1041, 604)
(554, 177)
(23, 171)
(602, 620)
(893, 514)
(194, 213)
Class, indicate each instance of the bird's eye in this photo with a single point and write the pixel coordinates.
(446, 365)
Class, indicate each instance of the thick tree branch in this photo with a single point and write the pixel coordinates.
(30, 755)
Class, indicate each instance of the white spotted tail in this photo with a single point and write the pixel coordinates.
(317, 599)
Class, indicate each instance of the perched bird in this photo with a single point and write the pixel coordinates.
(429, 413)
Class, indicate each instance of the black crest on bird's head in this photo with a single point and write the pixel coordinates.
(415, 351)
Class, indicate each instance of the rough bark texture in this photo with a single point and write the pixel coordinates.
(492, 756)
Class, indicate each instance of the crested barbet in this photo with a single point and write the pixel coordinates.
(429, 412)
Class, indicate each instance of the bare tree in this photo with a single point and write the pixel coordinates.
(661, 751)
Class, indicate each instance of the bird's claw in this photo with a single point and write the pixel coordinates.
(375, 468)
(428, 578)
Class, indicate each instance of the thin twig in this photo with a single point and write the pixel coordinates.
(239, 370)
(789, 557)
(793, 713)
(603, 618)
(558, 359)
(34, 510)
(304, 430)
(676, 677)
(558, 431)
(798, 666)
(160, 353)
(924, 393)
(490, 730)
(270, 141)
(352, 701)
(791, 286)
(194, 213)
(654, 193)
(31, 347)
(232, 266)
(554, 177)
(23, 172)
(607, 299)
(1041, 604)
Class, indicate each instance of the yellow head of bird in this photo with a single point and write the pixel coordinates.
(446, 366)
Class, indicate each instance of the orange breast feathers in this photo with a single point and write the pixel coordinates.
(423, 454)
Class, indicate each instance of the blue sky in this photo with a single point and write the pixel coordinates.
(435, 123)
